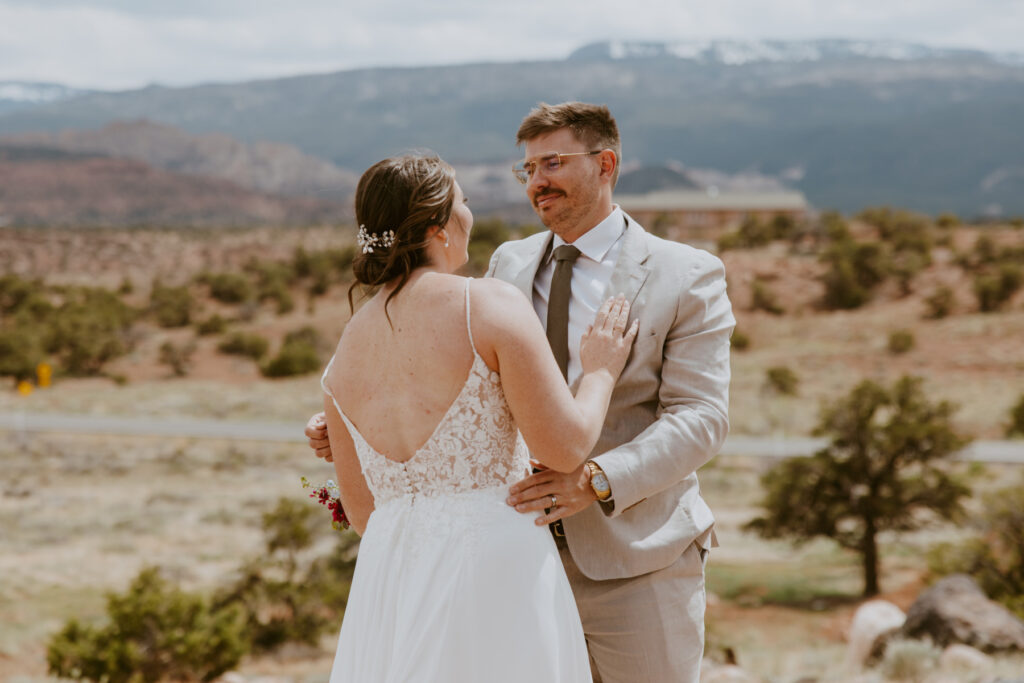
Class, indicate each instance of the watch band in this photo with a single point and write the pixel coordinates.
(599, 481)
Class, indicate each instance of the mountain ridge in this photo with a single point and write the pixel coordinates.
(270, 167)
(933, 132)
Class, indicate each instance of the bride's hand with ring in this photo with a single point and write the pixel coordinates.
(607, 342)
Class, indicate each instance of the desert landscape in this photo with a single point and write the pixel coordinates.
(83, 514)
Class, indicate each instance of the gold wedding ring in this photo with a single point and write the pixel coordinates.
(554, 500)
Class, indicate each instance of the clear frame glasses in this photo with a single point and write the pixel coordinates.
(549, 163)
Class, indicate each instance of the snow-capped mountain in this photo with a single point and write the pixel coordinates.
(15, 94)
(739, 52)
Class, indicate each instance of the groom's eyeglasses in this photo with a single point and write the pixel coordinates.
(549, 163)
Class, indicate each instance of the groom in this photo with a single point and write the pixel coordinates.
(631, 526)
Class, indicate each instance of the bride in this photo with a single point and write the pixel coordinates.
(436, 383)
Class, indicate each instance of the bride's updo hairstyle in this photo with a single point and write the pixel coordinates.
(398, 201)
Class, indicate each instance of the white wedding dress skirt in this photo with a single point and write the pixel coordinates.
(459, 588)
(451, 584)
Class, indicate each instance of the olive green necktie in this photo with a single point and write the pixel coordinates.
(558, 305)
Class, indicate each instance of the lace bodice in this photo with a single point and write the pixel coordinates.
(476, 445)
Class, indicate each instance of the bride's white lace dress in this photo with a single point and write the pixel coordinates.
(451, 584)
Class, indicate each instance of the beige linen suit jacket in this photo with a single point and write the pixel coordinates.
(669, 410)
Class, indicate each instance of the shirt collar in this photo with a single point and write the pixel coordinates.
(595, 243)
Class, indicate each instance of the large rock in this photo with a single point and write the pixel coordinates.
(725, 673)
(955, 610)
(871, 620)
(964, 658)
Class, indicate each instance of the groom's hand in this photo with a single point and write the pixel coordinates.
(572, 492)
(316, 432)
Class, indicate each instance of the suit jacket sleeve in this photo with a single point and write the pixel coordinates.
(692, 415)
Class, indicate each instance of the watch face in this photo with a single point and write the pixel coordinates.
(600, 482)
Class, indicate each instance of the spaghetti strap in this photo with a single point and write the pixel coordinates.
(469, 327)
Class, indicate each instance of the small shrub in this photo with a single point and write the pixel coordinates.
(20, 353)
(324, 267)
(855, 269)
(306, 334)
(245, 344)
(88, 329)
(904, 230)
(14, 292)
(172, 306)
(730, 240)
(939, 303)
(279, 293)
(1016, 426)
(763, 299)
(229, 288)
(212, 325)
(782, 379)
(842, 288)
(947, 220)
(834, 227)
(984, 250)
(905, 266)
(740, 341)
(296, 357)
(995, 289)
(156, 632)
(901, 341)
(177, 358)
(751, 233)
(783, 226)
(283, 598)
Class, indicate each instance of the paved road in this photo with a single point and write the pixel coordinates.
(979, 451)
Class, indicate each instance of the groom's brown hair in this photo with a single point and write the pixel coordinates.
(592, 124)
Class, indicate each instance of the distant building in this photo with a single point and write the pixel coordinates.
(705, 215)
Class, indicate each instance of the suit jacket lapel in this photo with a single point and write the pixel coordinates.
(524, 278)
(630, 273)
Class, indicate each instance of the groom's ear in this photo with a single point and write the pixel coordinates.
(609, 163)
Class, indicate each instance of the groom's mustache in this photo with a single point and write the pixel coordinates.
(550, 193)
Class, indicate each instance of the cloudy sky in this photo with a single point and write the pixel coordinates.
(131, 43)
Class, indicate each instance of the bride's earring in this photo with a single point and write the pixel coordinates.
(445, 239)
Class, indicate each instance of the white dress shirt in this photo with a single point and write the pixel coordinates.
(599, 250)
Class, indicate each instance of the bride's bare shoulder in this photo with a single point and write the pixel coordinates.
(492, 293)
(499, 306)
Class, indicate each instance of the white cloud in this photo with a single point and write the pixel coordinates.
(129, 43)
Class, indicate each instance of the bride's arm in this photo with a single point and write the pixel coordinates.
(355, 494)
(559, 428)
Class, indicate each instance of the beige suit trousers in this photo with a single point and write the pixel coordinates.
(646, 628)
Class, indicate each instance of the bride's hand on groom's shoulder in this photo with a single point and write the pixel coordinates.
(316, 432)
(607, 342)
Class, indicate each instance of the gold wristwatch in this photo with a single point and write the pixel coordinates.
(598, 481)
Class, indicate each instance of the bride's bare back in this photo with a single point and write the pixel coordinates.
(396, 383)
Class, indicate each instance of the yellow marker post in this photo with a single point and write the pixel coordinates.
(24, 388)
(44, 373)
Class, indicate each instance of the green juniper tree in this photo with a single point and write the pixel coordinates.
(882, 467)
